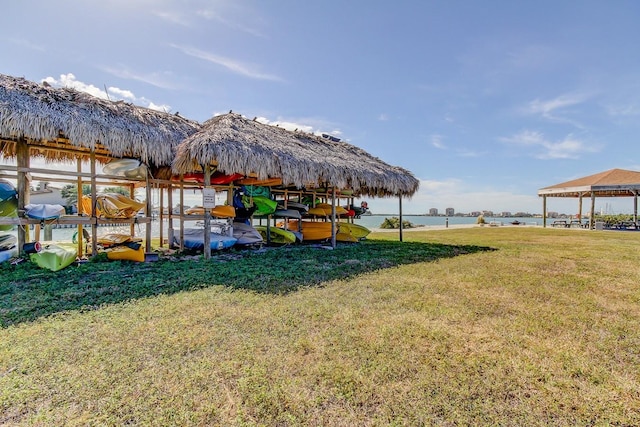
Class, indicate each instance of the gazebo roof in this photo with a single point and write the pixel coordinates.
(611, 183)
(60, 123)
(235, 144)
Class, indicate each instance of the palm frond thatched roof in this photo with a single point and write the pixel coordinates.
(56, 118)
(235, 144)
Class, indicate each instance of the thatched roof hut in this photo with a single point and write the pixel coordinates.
(235, 144)
(62, 123)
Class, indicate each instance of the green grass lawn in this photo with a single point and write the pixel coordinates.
(480, 326)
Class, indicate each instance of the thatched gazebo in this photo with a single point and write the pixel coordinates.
(610, 183)
(231, 143)
(234, 144)
(63, 125)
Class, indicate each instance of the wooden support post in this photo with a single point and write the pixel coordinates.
(333, 217)
(400, 209)
(181, 213)
(161, 214)
(94, 193)
(80, 230)
(22, 161)
(148, 208)
(544, 211)
(207, 215)
(132, 196)
(170, 213)
(580, 207)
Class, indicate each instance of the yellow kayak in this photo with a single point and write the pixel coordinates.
(351, 232)
(220, 211)
(126, 253)
(276, 235)
(310, 230)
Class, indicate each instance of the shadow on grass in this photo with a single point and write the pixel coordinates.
(28, 292)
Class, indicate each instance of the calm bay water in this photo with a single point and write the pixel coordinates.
(369, 221)
(374, 221)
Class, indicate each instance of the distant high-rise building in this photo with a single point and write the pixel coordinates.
(433, 211)
(450, 211)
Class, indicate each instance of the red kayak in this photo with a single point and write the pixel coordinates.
(218, 178)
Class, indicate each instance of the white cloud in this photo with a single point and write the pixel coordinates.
(286, 125)
(228, 63)
(121, 93)
(308, 125)
(629, 110)
(556, 109)
(112, 93)
(210, 15)
(26, 43)
(568, 148)
(465, 152)
(383, 117)
(173, 18)
(163, 80)
(436, 141)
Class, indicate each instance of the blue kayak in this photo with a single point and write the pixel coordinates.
(194, 240)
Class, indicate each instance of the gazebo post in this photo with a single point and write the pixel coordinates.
(635, 208)
(400, 210)
(593, 210)
(544, 211)
(207, 215)
(580, 207)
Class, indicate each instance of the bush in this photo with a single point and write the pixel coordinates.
(394, 222)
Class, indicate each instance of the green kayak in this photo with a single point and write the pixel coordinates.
(54, 257)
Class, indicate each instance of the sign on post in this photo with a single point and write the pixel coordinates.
(208, 198)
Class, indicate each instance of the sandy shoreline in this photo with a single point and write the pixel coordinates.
(441, 227)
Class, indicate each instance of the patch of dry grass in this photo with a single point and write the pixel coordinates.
(543, 331)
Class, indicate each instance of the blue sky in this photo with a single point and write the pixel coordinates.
(484, 101)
